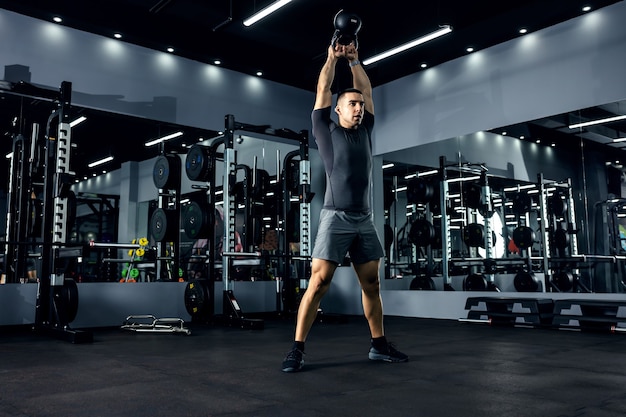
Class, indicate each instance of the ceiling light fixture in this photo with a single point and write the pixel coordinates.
(523, 30)
(100, 162)
(57, 19)
(619, 139)
(443, 31)
(597, 122)
(77, 121)
(389, 165)
(164, 138)
(170, 49)
(117, 35)
(265, 12)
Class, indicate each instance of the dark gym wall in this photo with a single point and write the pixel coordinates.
(570, 66)
(116, 76)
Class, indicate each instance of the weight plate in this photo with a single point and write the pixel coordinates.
(197, 298)
(419, 191)
(556, 204)
(422, 233)
(261, 185)
(560, 238)
(195, 220)
(199, 163)
(564, 281)
(523, 237)
(472, 196)
(69, 299)
(166, 171)
(162, 225)
(525, 282)
(522, 203)
(422, 283)
(475, 282)
(474, 235)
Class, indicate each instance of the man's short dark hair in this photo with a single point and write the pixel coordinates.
(348, 90)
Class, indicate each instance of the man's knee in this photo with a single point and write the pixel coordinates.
(321, 276)
(371, 285)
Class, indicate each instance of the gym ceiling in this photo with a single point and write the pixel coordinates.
(289, 47)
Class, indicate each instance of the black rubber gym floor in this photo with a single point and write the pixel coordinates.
(455, 369)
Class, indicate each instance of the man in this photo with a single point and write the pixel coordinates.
(346, 223)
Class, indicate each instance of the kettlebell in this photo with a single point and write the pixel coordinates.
(347, 26)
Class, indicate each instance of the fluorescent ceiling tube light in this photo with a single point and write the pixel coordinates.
(619, 139)
(444, 30)
(597, 122)
(78, 121)
(100, 162)
(265, 12)
(164, 138)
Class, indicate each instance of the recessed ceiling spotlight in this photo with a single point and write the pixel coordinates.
(170, 49)
(523, 30)
(521, 137)
(57, 19)
(117, 35)
(259, 73)
(423, 65)
(217, 62)
(586, 8)
(469, 49)
(504, 133)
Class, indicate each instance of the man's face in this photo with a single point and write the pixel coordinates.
(350, 109)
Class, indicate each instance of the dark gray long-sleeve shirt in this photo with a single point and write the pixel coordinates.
(347, 157)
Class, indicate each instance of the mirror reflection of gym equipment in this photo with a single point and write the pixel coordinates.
(494, 232)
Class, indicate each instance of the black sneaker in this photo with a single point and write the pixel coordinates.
(294, 361)
(390, 355)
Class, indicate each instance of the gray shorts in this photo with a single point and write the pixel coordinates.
(341, 232)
